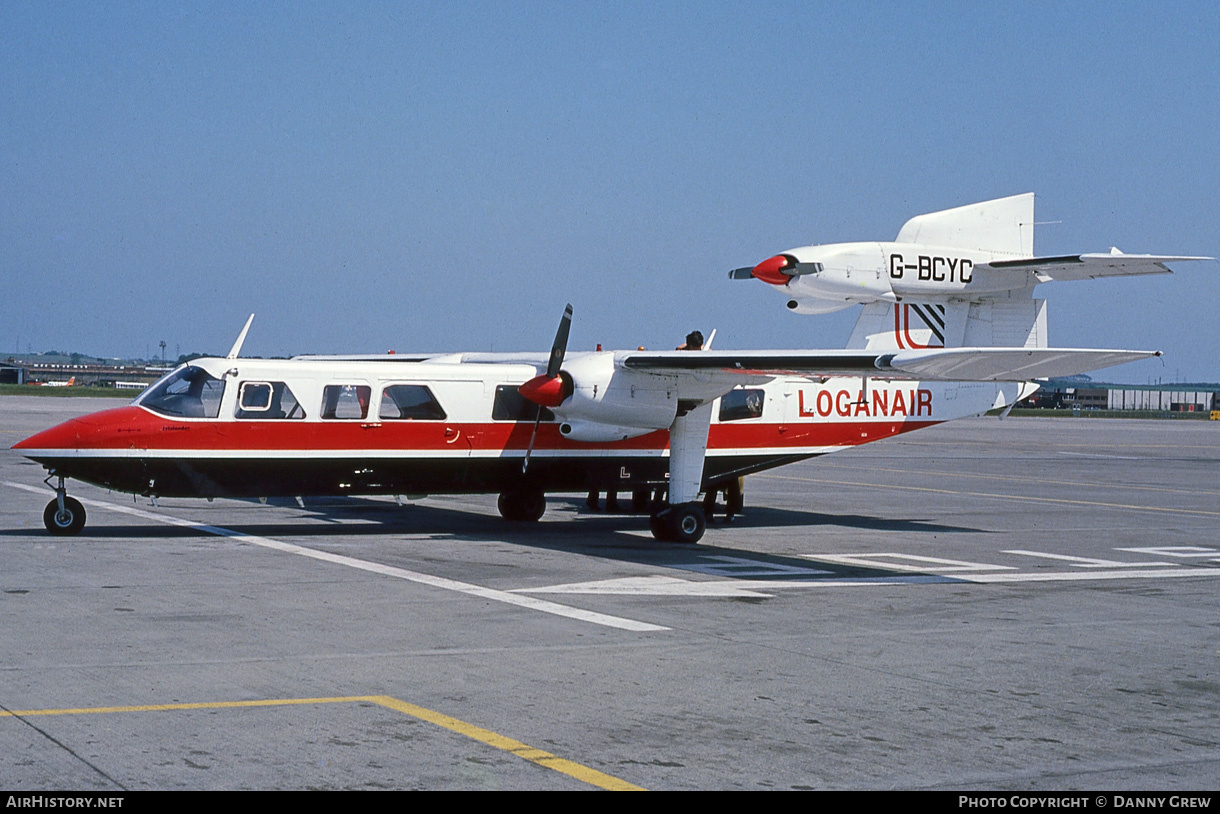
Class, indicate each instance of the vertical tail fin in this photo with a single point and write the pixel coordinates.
(1004, 226)
(1005, 323)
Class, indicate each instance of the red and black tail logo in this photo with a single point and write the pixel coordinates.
(926, 317)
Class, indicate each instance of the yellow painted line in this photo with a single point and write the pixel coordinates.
(583, 773)
(1022, 498)
(276, 702)
(524, 751)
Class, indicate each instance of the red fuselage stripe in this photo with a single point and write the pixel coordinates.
(133, 428)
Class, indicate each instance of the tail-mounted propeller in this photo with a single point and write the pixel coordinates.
(551, 388)
(777, 270)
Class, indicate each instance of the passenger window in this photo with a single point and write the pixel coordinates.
(267, 401)
(510, 405)
(410, 402)
(346, 401)
(255, 396)
(189, 392)
(738, 405)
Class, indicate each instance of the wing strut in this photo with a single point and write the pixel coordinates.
(682, 521)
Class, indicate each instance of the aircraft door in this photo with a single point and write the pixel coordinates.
(463, 429)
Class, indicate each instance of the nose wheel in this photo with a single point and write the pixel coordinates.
(63, 516)
(65, 520)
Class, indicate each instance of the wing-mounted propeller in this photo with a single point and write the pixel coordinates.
(551, 388)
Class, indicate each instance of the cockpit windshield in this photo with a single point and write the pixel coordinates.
(189, 392)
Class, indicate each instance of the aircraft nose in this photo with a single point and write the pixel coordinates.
(84, 432)
(62, 436)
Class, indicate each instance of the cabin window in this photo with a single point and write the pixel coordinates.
(190, 392)
(510, 405)
(346, 401)
(267, 401)
(738, 405)
(413, 402)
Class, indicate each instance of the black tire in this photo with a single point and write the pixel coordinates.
(66, 523)
(641, 501)
(685, 523)
(658, 526)
(507, 505)
(522, 506)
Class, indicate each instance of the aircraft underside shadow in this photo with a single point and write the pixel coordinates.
(609, 536)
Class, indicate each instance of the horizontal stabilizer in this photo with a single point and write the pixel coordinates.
(1087, 266)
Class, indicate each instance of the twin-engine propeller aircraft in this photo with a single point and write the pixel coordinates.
(522, 425)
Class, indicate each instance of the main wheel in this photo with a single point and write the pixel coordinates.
(678, 524)
(66, 523)
(685, 523)
(526, 506)
(658, 527)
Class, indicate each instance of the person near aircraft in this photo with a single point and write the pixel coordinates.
(734, 500)
(611, 501)
(694, 341)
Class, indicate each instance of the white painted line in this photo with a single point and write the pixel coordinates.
(1101, 455)
(650, 586)
(377, 568)
(1076, 576)
(1174, 551)
(925, 564)
(725, 589)
(1086, 562)
(744, 568)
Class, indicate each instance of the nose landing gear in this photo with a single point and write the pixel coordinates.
(64, 516)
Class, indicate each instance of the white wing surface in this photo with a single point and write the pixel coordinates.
(942, 364)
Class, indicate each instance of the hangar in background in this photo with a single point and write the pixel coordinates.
(1081, 393)
(12, 373)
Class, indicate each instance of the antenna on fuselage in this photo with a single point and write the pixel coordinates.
(241, 337)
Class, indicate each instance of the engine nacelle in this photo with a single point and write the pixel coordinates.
(810, 305)
(591, 432)
(604, 394)
(837, 277)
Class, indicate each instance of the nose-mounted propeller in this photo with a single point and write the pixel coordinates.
(551, 388)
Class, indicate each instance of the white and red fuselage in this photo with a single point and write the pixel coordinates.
(256, 428)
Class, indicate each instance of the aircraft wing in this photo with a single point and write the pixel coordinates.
(936, 364)
(1005, 364)
(1089, 266)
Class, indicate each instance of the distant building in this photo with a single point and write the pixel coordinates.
(11, 373)
(1081, 393)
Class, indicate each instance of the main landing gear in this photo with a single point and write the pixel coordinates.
(684, 523)
(63, 516)
(522, 505)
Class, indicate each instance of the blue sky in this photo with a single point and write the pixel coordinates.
(421, 176)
